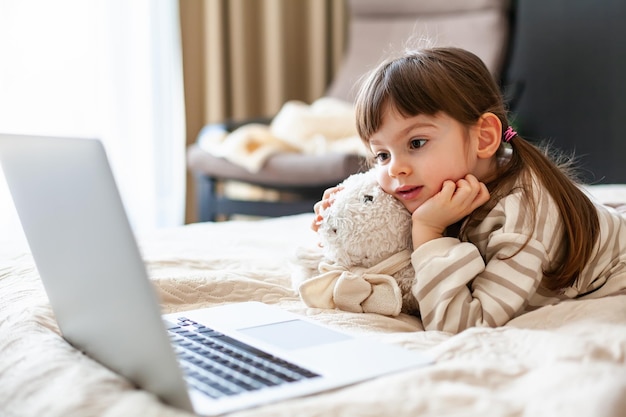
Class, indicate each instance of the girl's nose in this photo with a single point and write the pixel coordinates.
(399, 166)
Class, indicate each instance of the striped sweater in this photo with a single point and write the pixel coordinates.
(460, 284)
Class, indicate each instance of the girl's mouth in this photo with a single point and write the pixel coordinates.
(408, 192)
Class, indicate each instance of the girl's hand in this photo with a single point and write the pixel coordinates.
(455, 201)
(323, 204)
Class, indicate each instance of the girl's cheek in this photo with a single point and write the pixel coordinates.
(386, 187)
(382, 178)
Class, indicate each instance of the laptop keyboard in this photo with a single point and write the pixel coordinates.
(219, 366)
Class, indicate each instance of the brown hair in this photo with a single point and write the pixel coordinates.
(458, 83)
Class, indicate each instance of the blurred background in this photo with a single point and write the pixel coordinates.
(114, 70)
(145, 76)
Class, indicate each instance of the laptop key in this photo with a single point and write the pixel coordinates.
(220, 366)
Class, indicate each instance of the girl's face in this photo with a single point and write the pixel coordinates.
(415, 155)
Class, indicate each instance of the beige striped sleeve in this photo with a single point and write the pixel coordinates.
(490, 281)
(455, 289)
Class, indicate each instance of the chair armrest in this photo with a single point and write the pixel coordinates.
(283, 170)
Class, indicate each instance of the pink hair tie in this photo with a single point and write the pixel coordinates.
(509, 134)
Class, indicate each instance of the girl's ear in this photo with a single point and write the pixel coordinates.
(489, 135)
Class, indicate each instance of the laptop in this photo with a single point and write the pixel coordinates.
(105, 305)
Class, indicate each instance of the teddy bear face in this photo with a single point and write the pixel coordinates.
(364, 225)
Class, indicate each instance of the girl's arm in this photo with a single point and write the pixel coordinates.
(455, 289)
(488, 282)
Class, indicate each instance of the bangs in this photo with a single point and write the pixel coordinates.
(423, 82)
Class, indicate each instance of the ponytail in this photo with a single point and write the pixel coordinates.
(576, 211)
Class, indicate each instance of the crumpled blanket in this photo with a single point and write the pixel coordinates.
(357, 289)
(563, 360)
(327, 125)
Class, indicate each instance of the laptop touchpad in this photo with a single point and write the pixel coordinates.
(294, 334)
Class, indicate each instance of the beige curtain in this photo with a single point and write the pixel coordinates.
(245, 58)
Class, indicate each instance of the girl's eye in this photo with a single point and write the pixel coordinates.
(417, 143)
(381, 157)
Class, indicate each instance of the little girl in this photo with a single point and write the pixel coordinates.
(498, 228)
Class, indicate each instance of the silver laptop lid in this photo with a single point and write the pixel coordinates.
(83, 246)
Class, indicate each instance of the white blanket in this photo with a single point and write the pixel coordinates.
(563, 360)
(327, 125)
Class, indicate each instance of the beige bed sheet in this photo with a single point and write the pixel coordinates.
(563, 360)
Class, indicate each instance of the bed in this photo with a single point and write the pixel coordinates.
(562, 360)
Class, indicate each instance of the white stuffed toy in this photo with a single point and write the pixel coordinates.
(364, 263)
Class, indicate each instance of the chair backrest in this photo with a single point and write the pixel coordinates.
(567, 80)
(378, 29)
